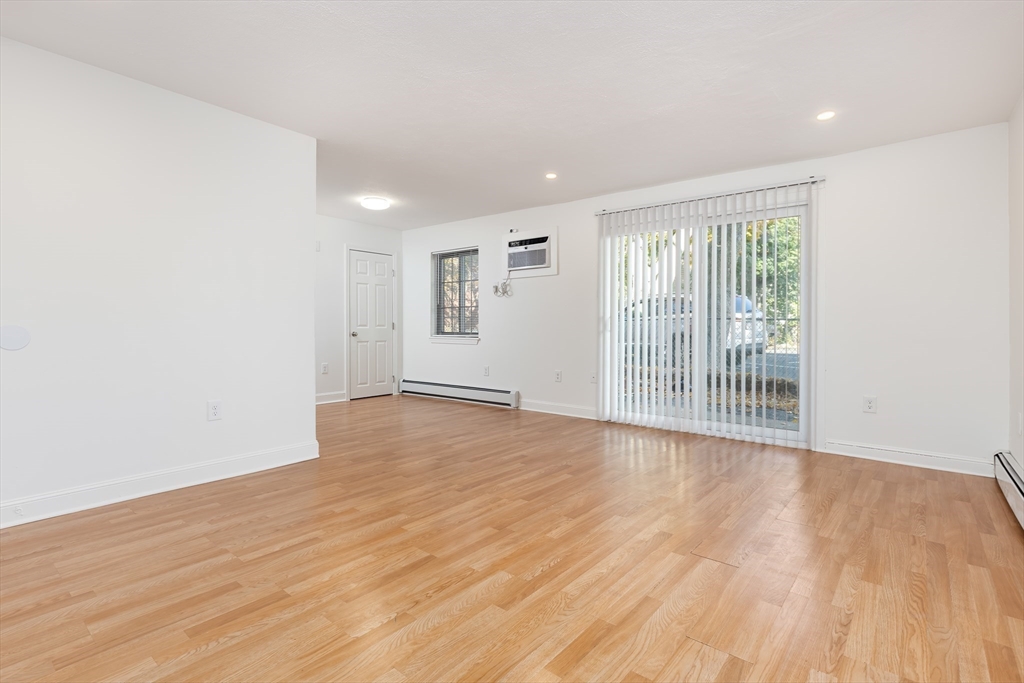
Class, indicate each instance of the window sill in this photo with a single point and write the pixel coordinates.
(454, 340)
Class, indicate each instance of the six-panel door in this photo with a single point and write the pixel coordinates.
(371, 317)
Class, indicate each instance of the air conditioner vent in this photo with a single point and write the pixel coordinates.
(527, 259)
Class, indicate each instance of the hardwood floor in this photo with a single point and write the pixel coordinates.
(441, 541)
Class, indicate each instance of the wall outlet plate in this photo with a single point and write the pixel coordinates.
(870, 404)
(323, 368)
(214, 410)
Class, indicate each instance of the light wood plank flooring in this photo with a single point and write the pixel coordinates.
(437, 541)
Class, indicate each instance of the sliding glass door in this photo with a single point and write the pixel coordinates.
(753, 301)
(704, 315)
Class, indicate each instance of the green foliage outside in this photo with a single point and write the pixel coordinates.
(770, 256)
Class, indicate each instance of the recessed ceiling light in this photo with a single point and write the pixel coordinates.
(826, 115)
(550, 176)
(375, 203)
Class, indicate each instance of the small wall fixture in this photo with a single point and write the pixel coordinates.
(826, 115)
(14, 337)
(550, 176)
(375, 203)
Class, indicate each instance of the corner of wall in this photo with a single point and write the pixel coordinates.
(1015, 438)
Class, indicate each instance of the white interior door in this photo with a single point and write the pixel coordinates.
(371, 324)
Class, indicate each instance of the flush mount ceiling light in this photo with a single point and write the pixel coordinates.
(826, 115)
(550, 176)
(375, 203)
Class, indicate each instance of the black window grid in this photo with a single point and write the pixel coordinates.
(456, 293)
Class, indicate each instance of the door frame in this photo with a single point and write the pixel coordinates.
(348, 316)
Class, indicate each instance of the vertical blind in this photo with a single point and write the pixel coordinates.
(704, 314)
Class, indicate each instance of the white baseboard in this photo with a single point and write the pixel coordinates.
(559, 409)
(32, 508)
(331, 397)
(900, 456)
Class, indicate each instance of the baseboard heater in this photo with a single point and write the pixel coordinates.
(1012, 484)
(456, 392)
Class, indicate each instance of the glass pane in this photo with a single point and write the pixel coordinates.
(450, 294)
(472, 318)
(752, 311)
(451, 321)
(776, 371)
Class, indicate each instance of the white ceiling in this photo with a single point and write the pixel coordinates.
(457, 109)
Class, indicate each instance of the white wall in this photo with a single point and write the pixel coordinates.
(1016, 265)
(160, 251)
(335, 236)
(913, 299)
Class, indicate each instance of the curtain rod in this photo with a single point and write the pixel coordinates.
(759, 188)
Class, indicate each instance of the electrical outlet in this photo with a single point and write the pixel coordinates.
(214, 411)
(487, 371)
(323, 368)
(870, 404)
(19, 511)
(558, 375)
(593, 378)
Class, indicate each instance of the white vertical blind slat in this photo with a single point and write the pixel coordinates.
(698, 330)
(663, 298)
(656, 309)
(764, 307)
(775, 316)
(747, 320)
(644, 314)
(758, 299)
(679, 272)
(714, 292)
(626, 313)
(723, 313)
(634, 321)
(730, 300)
(652, 318)
(602, 318)
(617, 314)
(686, 269)
(667, 337)
(664, 301)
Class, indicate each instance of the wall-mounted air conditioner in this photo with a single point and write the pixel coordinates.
(532, 252)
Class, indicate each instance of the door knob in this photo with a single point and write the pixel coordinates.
(355, 334)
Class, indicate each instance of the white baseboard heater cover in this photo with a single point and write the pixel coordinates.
(1012, 483)
(456, 392)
